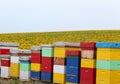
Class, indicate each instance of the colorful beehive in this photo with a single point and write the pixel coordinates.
(73, 66)
(47, 63)
(5, 49)
(59, 62)
(108, 61)
(14, 60)
(60, 59)
(88, 63)
(24, 65)
(36, 62)
(5, 66)
(14, 67)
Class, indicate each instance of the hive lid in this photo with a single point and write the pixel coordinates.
(6, 58)
(88, 44)
(14, 51)
(73, 44)
(25, 58)
(24, 51)
(108, 44)
(9, 44)
(47, 45)
(36, 48)
(61, 44)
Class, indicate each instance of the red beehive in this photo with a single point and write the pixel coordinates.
(47, 64)
(87, 76)
(88, 45)
(36, 57)
(5, 63)
(5, 51)
(36, 60)
(73, 53)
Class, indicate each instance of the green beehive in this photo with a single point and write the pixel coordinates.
(109, 65)
(47, 51)
(25, 66)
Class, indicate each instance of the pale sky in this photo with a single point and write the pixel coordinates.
(58, 15)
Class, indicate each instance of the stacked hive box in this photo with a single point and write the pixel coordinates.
(36, 63)
(5, 64)
(47, 63)
(73, 66)
(88, 63)
(5, 49)
(108, 63)
(24, 64)
(14, 60)
(59, 63)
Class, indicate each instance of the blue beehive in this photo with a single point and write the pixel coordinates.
(46, 76)
(72, 78)
(73, 61)
(36, 75)
(108, 45)
(72, 70)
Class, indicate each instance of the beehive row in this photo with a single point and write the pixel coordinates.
(63, 62)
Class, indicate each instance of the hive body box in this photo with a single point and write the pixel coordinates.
(4, 72)
(108, 63)
(47, 63)
(108, 53)
(108, 76)
(36, 63)
(88, 63)
(73, 66)
(14, 67)
(24, 65)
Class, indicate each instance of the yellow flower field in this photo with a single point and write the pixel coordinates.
(27, 40)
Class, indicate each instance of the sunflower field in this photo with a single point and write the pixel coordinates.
(26, 40)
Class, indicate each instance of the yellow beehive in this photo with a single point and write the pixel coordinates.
(59, 52)
(107, 81)
(14, 70)
(35, 67)
(88, 63)
(59, 78)
(108, 54)
(108, 76)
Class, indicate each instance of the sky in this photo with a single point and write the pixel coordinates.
(58, 15)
